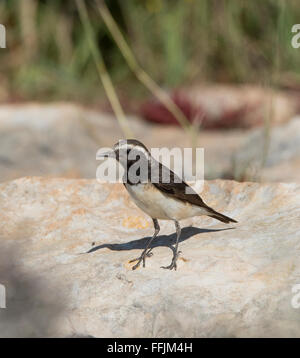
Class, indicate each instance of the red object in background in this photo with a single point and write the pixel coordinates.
(155, 111)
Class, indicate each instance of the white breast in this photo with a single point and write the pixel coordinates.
(160, 206)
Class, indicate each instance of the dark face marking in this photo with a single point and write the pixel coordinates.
(135, 160)
(129, 154)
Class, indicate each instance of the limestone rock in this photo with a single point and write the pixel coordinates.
(232, 280)
(270, 155)
(243, 106)
(57, 139)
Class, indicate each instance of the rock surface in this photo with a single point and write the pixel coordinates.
(251, 103)
(232, 280)
(58, 139)
(270, 156)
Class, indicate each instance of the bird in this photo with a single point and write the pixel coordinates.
(159, 192)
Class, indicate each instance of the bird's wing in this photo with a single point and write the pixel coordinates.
(169, 183)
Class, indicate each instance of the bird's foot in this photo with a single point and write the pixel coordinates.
(141, 258)
(173, 264)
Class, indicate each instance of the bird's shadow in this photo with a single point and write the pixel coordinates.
(161, 240)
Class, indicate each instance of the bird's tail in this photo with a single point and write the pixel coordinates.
(225, 219)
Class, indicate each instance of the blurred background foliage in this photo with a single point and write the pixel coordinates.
(177, 42)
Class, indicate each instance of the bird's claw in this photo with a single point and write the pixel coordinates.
(173, 264)
(135, 266)
(140, 259)
(170, 267)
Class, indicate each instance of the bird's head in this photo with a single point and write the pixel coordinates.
(128, 152)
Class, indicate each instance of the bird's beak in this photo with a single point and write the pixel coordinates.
(108, 154)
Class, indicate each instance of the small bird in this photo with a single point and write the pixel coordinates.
(159, 192)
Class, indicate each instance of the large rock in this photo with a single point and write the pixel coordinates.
(244, 106)
(270, 154)
(232, 280)
(57, 139)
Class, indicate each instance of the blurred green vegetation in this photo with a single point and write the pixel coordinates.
(177, 42)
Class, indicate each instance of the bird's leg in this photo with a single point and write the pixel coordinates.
(173, 264)
(146, 252)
